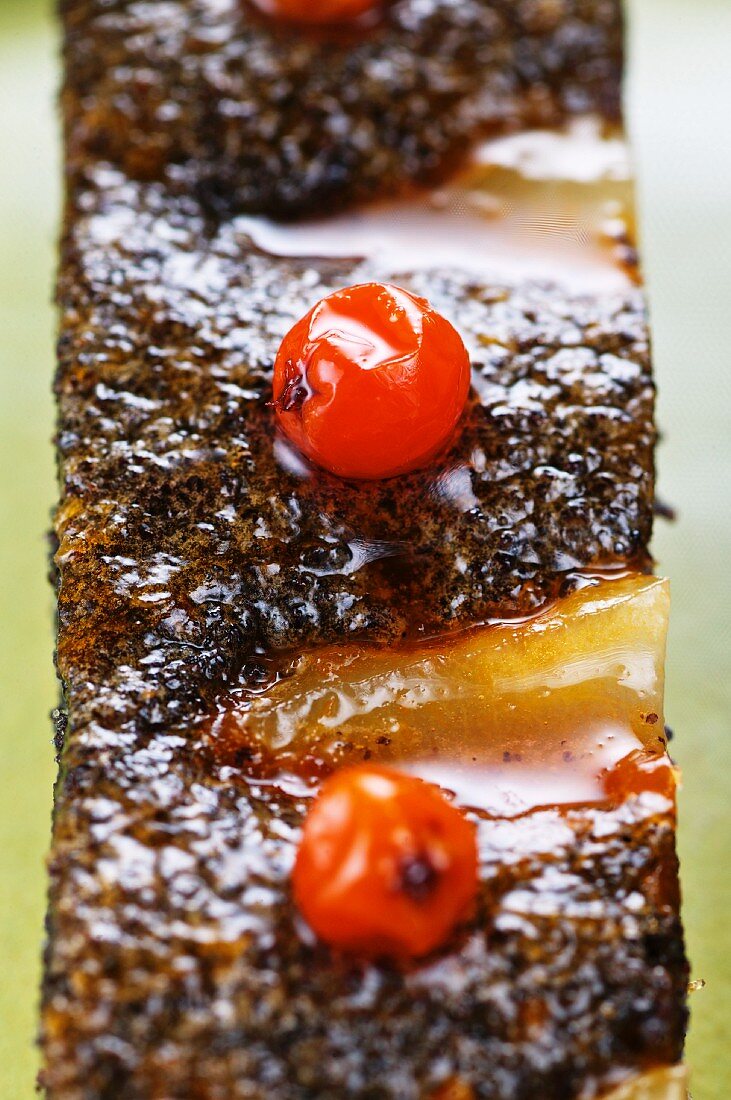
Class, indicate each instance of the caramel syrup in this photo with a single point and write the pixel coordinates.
(562, 709)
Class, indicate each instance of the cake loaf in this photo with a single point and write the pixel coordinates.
(225, 171)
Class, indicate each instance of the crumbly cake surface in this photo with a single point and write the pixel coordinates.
(176, 970)
(189, 545)
(256, 114)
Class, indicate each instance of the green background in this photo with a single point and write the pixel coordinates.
(679, 103)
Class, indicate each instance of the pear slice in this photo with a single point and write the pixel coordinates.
(565, 708)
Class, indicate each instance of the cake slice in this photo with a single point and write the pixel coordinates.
(237, 625)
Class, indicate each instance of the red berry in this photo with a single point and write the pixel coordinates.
(386, 865)
(371, 382)
(316, 11)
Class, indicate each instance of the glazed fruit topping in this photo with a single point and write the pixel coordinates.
(371, 382)
(387, 866)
